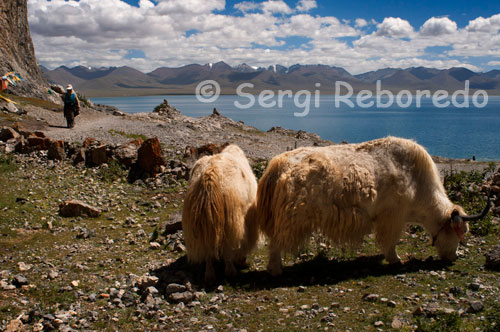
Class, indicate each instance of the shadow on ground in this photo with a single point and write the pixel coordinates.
(317, 271)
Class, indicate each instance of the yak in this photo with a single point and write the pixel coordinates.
(218, 218)
(348, 191)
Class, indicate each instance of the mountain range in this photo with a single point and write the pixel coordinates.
(126, 81)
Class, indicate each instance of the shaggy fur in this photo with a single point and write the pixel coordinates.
(218, 219)
(349, 191)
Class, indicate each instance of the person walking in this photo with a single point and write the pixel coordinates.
(71, 106)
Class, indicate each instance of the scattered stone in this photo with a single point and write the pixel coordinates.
(301, 289)
(75, 283)
(146, 280)
(378, 323)
(23, 267)
(154, 245)
(493, 259)
(371, 297)
(174, 224)
(8, 133)
(474, 286)
(6, 286)
(175, 288)
(14, 325)
(184, 297)
(76, 208)
(19, 280)
(396, 323)
(476, 306)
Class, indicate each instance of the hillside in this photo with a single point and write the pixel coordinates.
(17, 52)
(183, 80)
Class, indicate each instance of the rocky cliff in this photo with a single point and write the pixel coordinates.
(17, 51)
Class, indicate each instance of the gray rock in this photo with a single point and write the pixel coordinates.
(371, 297)
(476, 306)
(493, 259)
(184, 297)
(19, 280)
(175, 288)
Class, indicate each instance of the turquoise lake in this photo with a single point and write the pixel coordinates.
(449, 132)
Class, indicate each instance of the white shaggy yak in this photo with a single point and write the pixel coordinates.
(218, 219)
(349, 191)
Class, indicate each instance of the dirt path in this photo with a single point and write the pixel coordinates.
(179, 132)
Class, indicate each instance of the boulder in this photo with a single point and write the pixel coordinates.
(96, 155)
(7, 133)
(21, 130)
(493, 259)
(149, 160)
(89, 141)
(79, 156)
(58, 88)
(11, 108)
(56, 150)
(21, 146)
(76, 208)
(38, 143)
(126, 153)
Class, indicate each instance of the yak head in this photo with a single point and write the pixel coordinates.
(453, 230)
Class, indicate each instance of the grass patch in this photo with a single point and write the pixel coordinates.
(7, 164)
(464, 188)
(442, 323)
(127, 135)
(113, 172)
(33, 101)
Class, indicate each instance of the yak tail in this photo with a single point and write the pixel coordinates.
(251, 230)
(266, 199)
(204, 216)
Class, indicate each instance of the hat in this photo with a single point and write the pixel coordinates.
(69, 87)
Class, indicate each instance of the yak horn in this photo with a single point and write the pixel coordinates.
(480, 215)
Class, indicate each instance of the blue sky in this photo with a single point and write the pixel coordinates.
(357, 35)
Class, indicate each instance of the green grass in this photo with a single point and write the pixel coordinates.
(463, 188)
(7, 164)
(333, 278)
(115, 171)
(127, 135)
(33, 101)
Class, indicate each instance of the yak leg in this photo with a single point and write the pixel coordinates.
(274, 265)
(388, 235)
(209, 272)
(391, 255)
(230, 270)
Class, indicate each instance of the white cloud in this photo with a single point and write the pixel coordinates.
(306, 5)
(436, 26)
(247, 6)
(481, 24)
(395, 27)
(360, 22)
(276, 7)
(166, 7)
(178, 32)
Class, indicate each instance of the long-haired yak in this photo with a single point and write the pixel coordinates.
(348, 191)
(218, 219)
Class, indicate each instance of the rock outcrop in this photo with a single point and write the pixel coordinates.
(17, 52)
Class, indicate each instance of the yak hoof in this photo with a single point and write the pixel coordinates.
(230, 270)
(274, 270)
